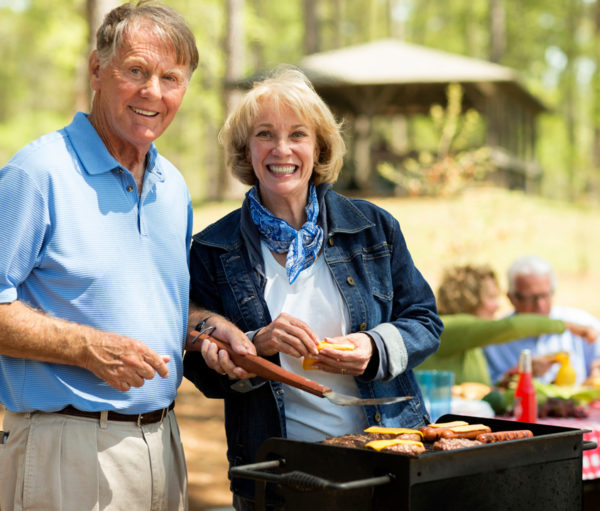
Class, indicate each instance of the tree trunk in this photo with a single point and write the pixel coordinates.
(338, 24)
(497, 30)
(235, 43)
(311, 27)
(569, 90)
(257, 46)
(395, 19)
(95, 12)
(596, 99)
(362, 154)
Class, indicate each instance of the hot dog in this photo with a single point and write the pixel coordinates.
(470, 431)
(433, 432)
(502, 436)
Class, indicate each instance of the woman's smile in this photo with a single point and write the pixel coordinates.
(282, 149)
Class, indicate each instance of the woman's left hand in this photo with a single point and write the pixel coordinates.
(352, 362)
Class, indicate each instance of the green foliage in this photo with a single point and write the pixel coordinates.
(38, 76)
(553, 45)
(453, 163)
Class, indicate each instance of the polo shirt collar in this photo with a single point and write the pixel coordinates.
(92, 152)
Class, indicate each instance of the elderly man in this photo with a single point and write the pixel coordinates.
(531, 285)
(94, 237)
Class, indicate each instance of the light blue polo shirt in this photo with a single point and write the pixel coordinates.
(78, 242)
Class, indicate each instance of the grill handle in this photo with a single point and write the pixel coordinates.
(588, 445)
(301, 481)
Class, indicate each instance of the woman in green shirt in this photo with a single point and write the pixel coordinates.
(467, 302)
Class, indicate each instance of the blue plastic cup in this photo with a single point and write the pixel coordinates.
(436, 387)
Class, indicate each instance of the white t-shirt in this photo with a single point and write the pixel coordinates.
(315, 299)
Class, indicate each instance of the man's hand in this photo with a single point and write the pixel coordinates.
(589, 333)
(123, 362)
(541, 364)
(120, 361)
(226, 332)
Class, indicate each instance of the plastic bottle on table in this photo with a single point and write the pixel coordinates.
(525, 398)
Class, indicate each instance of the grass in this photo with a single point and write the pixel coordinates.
(494, 226)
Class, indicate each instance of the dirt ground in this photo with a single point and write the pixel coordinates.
(203, 436)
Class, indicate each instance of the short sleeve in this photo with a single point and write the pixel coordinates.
(24, 223)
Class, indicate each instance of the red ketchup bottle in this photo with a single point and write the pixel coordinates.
(525, 398)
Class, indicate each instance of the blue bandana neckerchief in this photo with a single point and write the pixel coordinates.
(302, 246)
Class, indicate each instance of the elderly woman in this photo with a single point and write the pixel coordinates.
(298, 264)
(467, 299)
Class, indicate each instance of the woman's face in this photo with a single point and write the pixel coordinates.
(489, 299)
(283, 149)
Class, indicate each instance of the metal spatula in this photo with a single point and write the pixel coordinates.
(266, 369)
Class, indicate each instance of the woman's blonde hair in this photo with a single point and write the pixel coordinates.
(289, 88)
(461, 287)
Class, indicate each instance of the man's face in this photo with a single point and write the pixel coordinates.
(533, 294)
(139, 92)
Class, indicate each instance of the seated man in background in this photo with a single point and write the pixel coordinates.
(531, 285)
(467, 300)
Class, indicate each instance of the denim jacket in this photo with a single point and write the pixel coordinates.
(385, 294)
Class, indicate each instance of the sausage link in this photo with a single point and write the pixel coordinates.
(471, 431)
(502, 436)
(432, 434)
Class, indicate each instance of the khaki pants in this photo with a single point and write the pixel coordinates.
(54, 462)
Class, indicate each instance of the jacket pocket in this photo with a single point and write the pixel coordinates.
(377, 262)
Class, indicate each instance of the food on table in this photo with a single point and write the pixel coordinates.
(497, 399)
(470, 390)
(559, 407)
(566, 373)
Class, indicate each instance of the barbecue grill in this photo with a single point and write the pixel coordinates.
(539, 473)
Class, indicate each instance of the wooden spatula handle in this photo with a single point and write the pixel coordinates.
(267, 369)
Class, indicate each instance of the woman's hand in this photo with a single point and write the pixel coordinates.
(286, 334)
(353, 362)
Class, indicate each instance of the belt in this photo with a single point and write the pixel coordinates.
(140, 419)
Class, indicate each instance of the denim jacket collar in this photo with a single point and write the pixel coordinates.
(337, 214)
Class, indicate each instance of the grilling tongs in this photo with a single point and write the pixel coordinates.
(267, 369)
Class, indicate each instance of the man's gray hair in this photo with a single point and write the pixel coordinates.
(166, 23)
(529, 265)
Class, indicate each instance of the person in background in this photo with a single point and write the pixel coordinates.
(467, 299)
(298, 264)
(531, 286)
(94, 286)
